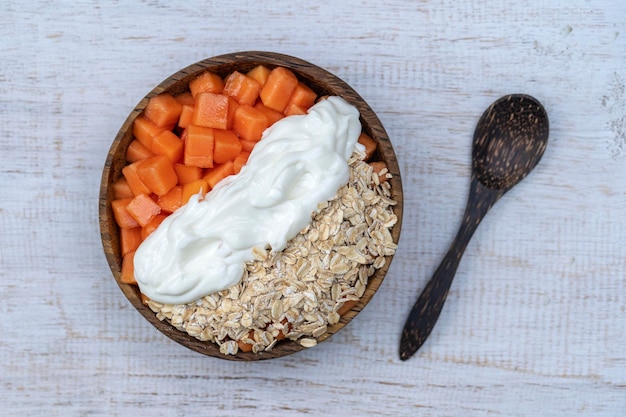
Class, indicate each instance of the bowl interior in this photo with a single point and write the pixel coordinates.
(323, 83)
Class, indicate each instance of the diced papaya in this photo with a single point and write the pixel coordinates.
(171, 201)
(242, 88)
(134, 182)
(293, 109)
(152, 225)
(219, 122)
(232, 108)
(199, 146)
(260, 74)
(163, 110)
(244, 346)
(346, 306)
(240, 161)
(282, 333)
(277, 90)
(249, 123)
(211, 110)
(137, 151)
(130, 238)
(158, 174)
(207, 82)
(185, 98)
(303, 96)
(369, 143)
(121, 189)
(218, 173)
(123, 219)
(247, 145)
(227, 146)
(192, 188)
(142, 208)
(168, 144)
(128, 269)
(144, 299)
(187, 173)
(186, 115)
(272, 115)
(144, 131)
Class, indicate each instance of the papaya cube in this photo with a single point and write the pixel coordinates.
(152, 226)
(158, 173)
(207, 82)
(134, 182)
(142, 208)
(247, 145)
(218, 173)
(260, 74)
(272, 115)
(369, 144)
(232, 108)
(227, 146)
(303, 96)
(171, 201)
(187, 173)
(192, 188)
(249, 123)
(123, 219)
(211, 110)
(144, 131)
(293, 109)
(121, 189)
(185, 98)
(240, 161)
(163, 110)
(168, 144)
(278, 88)
(242, 88)
(199, 146)
(128, 269)
(186, 115)
(137, 151)
(130, 239)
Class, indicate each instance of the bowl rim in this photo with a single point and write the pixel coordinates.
(313, 76)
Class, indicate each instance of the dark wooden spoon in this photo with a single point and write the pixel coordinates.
(510, 139)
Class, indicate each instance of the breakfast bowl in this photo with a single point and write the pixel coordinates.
(327, 291)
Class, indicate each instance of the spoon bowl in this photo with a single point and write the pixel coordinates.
(509, 141)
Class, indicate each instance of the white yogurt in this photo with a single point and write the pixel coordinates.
(201, 248)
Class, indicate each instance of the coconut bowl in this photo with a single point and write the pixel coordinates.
(320, 81)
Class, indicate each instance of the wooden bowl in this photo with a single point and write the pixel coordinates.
(323, 83)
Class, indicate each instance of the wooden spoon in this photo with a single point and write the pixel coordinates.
(510, 139)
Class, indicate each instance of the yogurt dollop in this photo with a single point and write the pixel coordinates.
(201, 248)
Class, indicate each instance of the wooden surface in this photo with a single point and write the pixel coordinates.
(535, 323)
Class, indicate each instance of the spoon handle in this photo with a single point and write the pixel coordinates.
(425, 312)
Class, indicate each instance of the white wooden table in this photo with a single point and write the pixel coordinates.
(535, 324)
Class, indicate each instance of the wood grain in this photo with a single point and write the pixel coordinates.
(535, 321)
